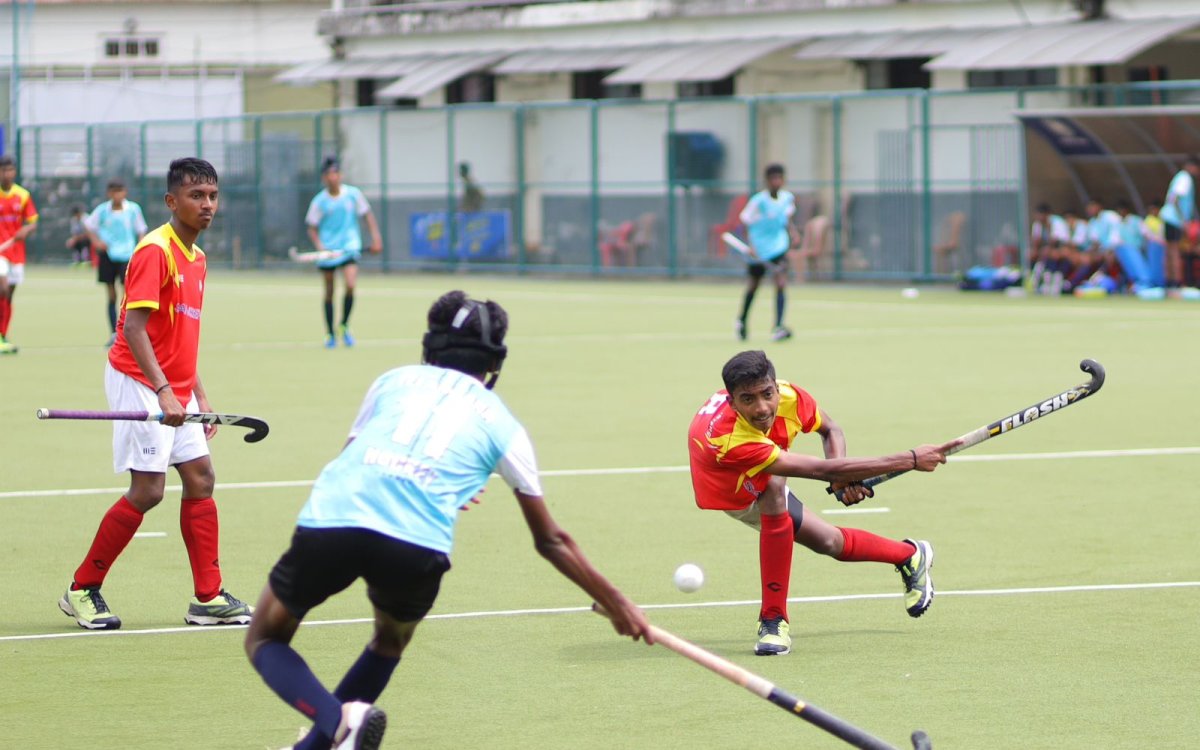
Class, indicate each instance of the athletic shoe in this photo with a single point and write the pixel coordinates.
(331, 342)
(224, 609)
(781, 333)
(773, 638)
(7, 348)
(347, 339)
(918, 586)
(739, 328)
(366, 724)
(89, 609)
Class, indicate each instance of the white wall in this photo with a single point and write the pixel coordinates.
(117, 100)
(245, 34)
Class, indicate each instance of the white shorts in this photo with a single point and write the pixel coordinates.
(14, 271)
(148, 446)
(751, 515)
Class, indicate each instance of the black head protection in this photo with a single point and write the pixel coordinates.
(457, 335)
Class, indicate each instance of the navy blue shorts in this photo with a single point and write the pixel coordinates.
(756, 270)
(402, 578)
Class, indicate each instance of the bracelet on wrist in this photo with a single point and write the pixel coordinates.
(914, 455)
(161, 388)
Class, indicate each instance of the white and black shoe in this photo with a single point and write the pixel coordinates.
(365, 725)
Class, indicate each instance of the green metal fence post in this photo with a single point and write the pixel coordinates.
(451, 200)
(672, 230)
(259, 213)
(594, 234)
(752, 128)
(926, 188)
(91, 161)
(143, 165)
(384, 208)
(838, 243)
(319, 141)
(519, 208)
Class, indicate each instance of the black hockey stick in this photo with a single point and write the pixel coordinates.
(1016, 419)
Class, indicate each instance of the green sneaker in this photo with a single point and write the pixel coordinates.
(918, 585)
(773, 638)
(89, 609)
(7, 348)
(224, 609)
(347, 338)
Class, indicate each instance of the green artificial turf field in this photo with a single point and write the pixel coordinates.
(606, 376)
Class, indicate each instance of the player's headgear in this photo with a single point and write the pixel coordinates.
(465, 335)
(330, 164)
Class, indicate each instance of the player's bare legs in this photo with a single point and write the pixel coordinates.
(350, 277)
(267, 646)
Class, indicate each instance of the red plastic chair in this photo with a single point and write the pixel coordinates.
(732, 223)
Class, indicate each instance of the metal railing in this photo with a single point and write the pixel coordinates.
(898, 185)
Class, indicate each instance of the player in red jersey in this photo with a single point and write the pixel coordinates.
(152, 367)
(18, 219)
(738, 447)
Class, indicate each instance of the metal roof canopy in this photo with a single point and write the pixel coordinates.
(434, 72)
(1103, 42)
(1072, 155)
(889, 45)
(573, 60)
(698, 61)
(336, 70)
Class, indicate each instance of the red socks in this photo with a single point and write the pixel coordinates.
(5, 314)
(775, 563)
(116, 529)
(863, 546)
(198, 523)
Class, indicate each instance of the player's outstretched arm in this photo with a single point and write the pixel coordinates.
(922, 458)
(554, 544)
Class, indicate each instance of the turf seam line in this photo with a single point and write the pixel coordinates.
(648, 607)
(634, 470)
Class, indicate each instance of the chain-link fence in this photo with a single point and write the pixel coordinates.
(889, 185)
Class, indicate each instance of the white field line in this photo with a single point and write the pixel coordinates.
(626, 471)
(150, 535)
(647, 337)
(852, 511)
(575, 610)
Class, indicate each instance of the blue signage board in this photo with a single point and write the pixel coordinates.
(480, 235)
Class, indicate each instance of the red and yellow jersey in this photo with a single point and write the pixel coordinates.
(167, 278)
(16, 210)
(728, 454)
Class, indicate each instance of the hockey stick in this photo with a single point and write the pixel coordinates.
(313, 256)
(735, 242)
(1016, 419)
(763, 688)
(258, 428)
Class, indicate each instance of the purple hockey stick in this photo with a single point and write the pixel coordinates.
(258, 428)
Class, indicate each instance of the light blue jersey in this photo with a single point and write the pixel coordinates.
(336, 220)
(1104, 230)
(1180, 204)
(1131, 231)
(425, 442)
(119, 230)
(766, 221)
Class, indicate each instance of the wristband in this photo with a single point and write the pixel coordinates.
(914, 455)
(162, 388)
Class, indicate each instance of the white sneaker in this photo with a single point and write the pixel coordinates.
(365, 724)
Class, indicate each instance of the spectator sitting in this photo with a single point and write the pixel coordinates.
(1097, 253)
(472, 197)
(1046, 239)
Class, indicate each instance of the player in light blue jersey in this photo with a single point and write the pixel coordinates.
(115, 227)
(425, 441)
(332, 220)
(768, 220)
